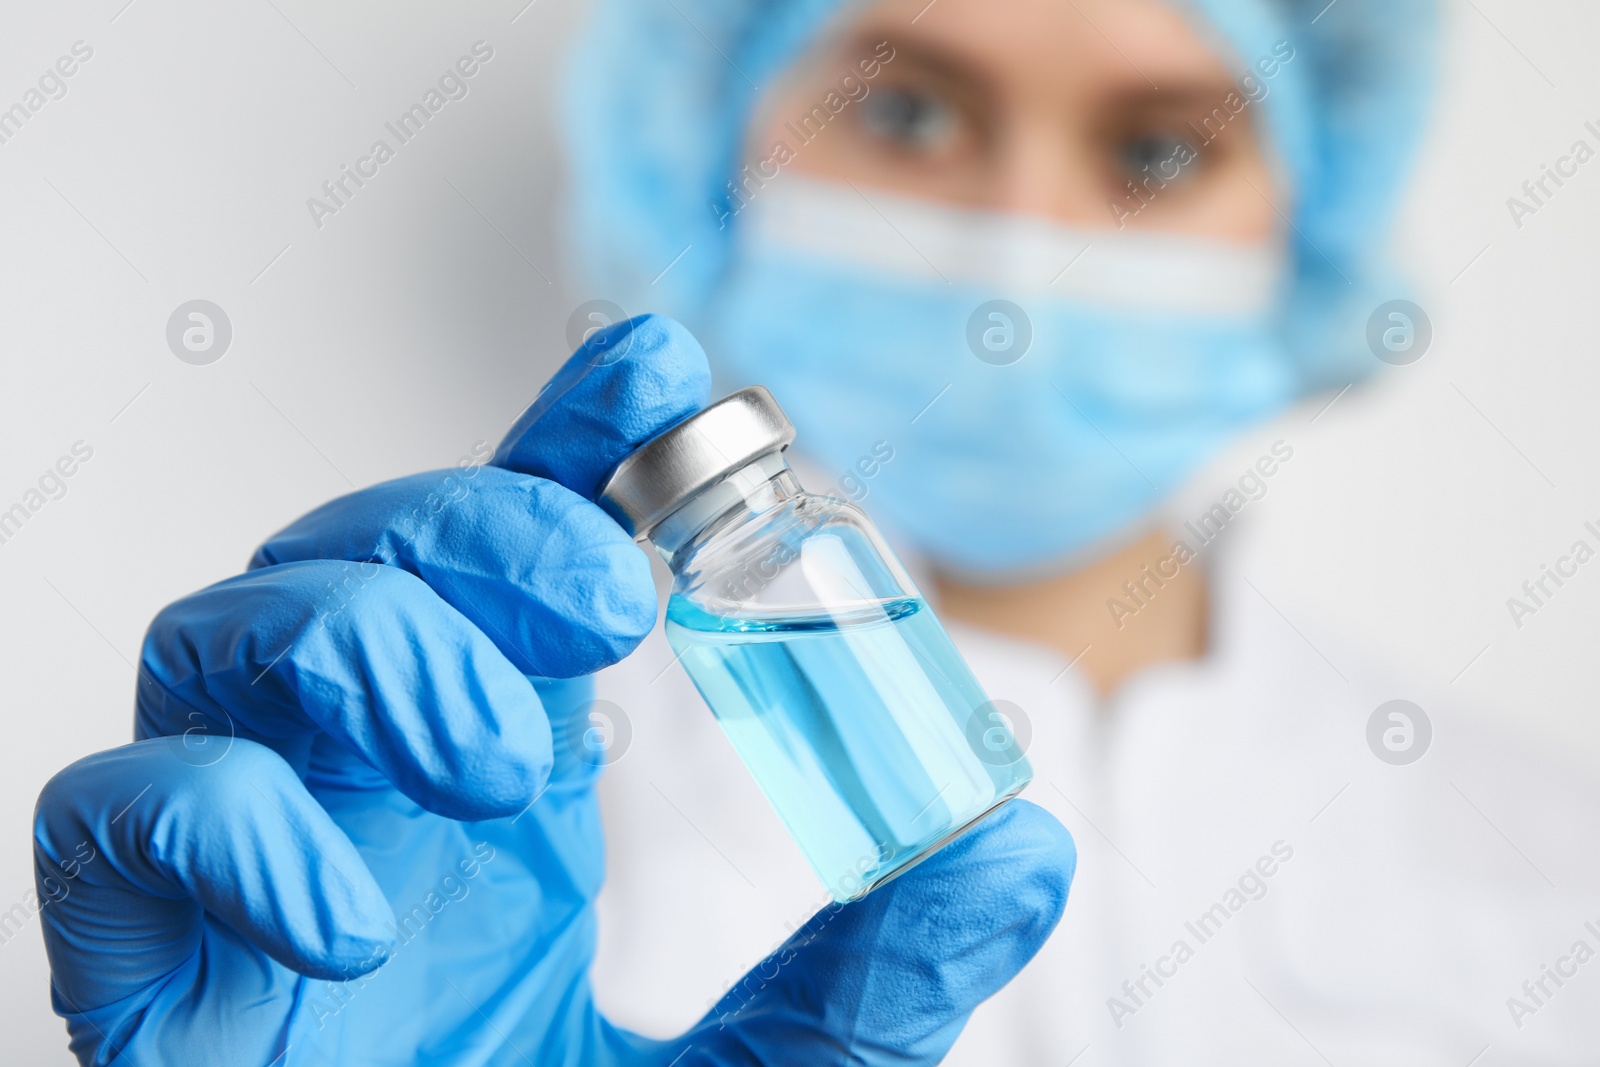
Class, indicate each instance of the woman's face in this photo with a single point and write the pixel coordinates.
(1038, 107)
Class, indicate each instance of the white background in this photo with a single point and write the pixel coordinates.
(423, 316)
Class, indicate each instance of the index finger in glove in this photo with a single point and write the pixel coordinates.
(627, 383)
(549, 577)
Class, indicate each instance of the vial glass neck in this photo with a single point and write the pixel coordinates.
(758, 486)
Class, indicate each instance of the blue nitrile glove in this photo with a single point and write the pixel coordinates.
(340, 758)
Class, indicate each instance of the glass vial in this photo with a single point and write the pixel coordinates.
(813, 648)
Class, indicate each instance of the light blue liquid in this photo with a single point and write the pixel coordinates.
(858, 726)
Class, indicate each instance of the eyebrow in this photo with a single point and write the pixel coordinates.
(926, 57)
(1187, 91)
(1189, 95)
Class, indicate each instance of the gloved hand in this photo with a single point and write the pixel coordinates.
(356, 830)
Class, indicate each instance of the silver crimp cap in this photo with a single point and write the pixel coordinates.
(675, 465)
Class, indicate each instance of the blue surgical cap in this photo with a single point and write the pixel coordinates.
(660, 95)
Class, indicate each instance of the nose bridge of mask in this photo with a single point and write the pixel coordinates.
(1008, 254)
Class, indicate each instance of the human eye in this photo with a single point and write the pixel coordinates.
(910, 119)
(1165, 153)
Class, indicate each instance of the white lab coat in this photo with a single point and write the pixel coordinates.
(1405, 905)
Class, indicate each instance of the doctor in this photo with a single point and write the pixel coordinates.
(361, 825)
(1017, 269)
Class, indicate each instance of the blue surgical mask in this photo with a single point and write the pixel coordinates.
(1038, 389)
